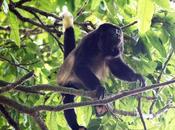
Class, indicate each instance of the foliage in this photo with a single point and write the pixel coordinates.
(149, 47)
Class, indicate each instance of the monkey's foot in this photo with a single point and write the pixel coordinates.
(100, 110)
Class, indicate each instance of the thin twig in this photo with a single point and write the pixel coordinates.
(9, 119)
(1, 2)
(6, 28)
(24, 19)
(140, 112)
(47, 29)
(21, 2)
(39, 121)
(14, 64)
(126, 26)
(165, 65)
(21, 88)
(32, 9)
(82, 9)
(158, 80)
(41, 25)
(18, 82)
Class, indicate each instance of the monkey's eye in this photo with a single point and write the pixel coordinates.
(118, 32)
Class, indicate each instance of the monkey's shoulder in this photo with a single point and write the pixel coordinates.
(66, 68)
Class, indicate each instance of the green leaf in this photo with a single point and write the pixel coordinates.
(50, 121)
(14, 25)
(147, 46)
(172, 39)
(163, 3)
(84, 114)
(95, 4)
(154, 40)
(144, 14)
(5, 7)
(122, 3)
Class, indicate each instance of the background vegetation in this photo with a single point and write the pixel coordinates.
(31, 39)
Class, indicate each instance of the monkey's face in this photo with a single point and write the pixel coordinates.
(111, 40)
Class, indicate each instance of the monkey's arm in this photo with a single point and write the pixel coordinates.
(89, 79)
(122, 71)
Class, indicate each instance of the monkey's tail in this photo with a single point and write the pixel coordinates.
(69, 41)
(69, 36)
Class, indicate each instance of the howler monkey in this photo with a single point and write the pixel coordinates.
(97, 54)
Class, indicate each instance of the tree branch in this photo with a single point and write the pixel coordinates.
(80, 11)
(9, 119)
(145, 116)
(21, 2)
(1, 2)
(140, 113)
(40, 121)
(41, 25)
(18, 82)
(6, 28)
(14, 104)
(14, 64)
(32, 9)
(11, 103)
(126, 26)
(158, 80)
(34, 111)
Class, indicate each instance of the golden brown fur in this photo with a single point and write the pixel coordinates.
(98, 67)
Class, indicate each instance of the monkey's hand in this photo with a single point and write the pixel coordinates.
(82, 128)
(100, 92)
(141, 80)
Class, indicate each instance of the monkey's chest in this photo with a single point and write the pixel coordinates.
(99, 68)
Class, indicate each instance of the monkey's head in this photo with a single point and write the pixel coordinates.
(110, 40)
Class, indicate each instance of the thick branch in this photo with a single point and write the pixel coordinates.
(46, 87)
(21, 108)
(20, 88)
(14, 104)
(104, 101)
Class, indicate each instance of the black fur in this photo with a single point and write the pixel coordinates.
(69, 41)
(84, 67)
(69, 45)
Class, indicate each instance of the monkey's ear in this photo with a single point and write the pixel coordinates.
(67, 18)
